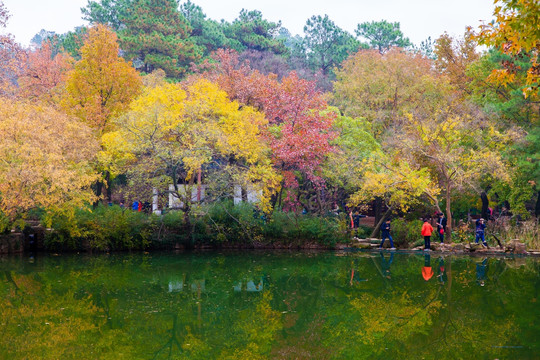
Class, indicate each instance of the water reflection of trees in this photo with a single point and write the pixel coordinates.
(309, 307)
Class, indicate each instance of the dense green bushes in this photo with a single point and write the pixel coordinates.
(114, 228)
(406, 232)
(109, 228)
(244, 224)
(102, 228)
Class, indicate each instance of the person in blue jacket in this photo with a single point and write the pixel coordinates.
(480, 228)
(385, 233)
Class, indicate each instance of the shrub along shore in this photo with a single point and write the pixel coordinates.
(224, 225)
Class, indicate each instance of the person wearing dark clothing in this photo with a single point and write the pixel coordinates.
(480, 228)
(481, 269)
(385, 264)
(441, 226)
(442, 273)
(356, 220)
(385, 233)
(355, 275)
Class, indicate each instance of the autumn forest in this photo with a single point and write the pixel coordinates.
(155, 100)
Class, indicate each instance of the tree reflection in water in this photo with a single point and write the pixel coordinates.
(260, 305)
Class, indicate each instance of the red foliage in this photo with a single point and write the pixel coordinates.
(293, 104)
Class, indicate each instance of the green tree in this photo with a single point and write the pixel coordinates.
(69, 42)
(157, 36)
(382, 35)
(325, 44)
(343, 169)
(206, 33)
(107, 12)
(251, 32)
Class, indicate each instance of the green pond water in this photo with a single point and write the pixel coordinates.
(269, 305)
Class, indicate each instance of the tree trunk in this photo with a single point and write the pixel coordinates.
(378, 210)
(99, 191)
(537, 207)
(378, 226)
(485, 205)
(448, 215)
(199, 185)
(108, 185)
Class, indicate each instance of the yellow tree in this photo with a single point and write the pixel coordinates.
(516, 32)
(171, 135)
(100, 87)
(397, 182)
(102, 84)
(383, 88)
(45, 159)
(457, 145)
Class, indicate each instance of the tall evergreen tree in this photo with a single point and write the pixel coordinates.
(382, 35)
(325, 44)
(157, 36)
(251, 32)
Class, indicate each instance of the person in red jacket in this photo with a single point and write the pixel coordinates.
(427, 229)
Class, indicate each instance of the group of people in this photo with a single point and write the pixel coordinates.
(427, 230)
(141, 206)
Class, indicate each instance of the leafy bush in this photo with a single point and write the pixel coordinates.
(363, 231)
(114, 228)
(102, 228)
(405, 233)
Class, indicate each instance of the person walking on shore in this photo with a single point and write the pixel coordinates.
(385, 233)
(427, 229)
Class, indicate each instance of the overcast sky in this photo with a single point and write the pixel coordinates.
(418, 18)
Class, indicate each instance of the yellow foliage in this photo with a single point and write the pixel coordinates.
(395, 181)
(184, 130)
(398, 319)
(515, 32)
(102, 83)
(45, 158)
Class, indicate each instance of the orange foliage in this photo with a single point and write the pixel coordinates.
(43, 72)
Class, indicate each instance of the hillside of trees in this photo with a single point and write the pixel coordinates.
(154, 94)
